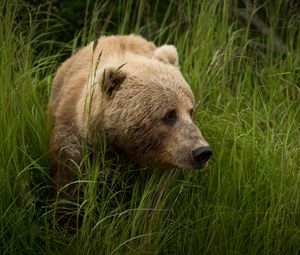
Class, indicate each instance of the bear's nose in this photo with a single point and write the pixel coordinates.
(202, 154)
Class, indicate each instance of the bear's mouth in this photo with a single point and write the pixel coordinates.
(198, 166)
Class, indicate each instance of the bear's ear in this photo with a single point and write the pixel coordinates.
(167, 54)
(112, 79)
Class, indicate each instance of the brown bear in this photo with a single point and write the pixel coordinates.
(135, 93)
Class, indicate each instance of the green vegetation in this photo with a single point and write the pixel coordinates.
(248, 94)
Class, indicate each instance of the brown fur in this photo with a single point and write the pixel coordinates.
(124, 85)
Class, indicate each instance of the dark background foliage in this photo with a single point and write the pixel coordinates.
(76, 13)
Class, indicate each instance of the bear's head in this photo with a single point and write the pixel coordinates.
(149, 110)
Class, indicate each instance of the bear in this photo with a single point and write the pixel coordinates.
(134, 92)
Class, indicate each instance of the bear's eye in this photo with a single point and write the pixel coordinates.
(170, 117)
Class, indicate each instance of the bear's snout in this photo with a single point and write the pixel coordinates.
(201, 155)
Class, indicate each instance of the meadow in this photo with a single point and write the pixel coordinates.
(246, 83)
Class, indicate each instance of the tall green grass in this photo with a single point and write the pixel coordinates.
(246, 202)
